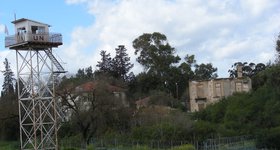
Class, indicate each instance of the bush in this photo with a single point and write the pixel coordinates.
(269, 138)
(9, 145)
(203, 130)
(141, 148)
(72, 142)
(69, 148)
(90, 147)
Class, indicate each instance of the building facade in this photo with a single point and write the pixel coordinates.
(203, 93)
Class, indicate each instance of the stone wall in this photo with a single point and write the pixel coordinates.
(203, 93)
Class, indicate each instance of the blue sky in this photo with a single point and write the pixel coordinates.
(215, 31)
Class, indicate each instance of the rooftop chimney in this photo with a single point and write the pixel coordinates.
(239, 71)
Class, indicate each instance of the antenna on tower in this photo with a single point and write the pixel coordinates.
(15, 16)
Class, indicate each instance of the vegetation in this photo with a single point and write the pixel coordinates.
(184, 147)
(256, 113)
(98, 110)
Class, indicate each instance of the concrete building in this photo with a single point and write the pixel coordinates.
(203, 93)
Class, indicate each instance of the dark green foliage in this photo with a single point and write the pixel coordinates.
(203, 130)
(163, 99)
(121, 63)
(205, 71)
(93, 112)
(89, 72)
(278, 49)
(157, 124)
(269, 138)
(8, 85)
(9, 125)
(184, 147)
(85, 73)
(81, 73)
(9, 145)
(118, 67)
(146, 82)
(251, 113)
(105, 64)
(158, 59)
(155, 53)
(248, 70)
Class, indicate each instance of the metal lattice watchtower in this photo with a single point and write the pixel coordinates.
(37, 70)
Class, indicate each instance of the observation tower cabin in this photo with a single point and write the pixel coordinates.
(32, 35)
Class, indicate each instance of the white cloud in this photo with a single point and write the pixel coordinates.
(256, 7)
(75, 1)
(214, 31)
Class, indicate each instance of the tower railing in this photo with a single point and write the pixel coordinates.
(32, 37)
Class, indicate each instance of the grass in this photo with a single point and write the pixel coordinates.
(9, 145)
(136, 147)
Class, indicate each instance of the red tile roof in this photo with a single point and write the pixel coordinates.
(90, 86)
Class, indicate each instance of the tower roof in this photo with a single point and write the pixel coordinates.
(24, 19)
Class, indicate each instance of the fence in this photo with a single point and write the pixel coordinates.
(222, 143)
(229, 143)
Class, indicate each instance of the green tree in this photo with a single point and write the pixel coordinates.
(93, 113)
(89, 72)
(278, 49)
(105, 64)
(248, 70)
(121, 63)
(8, 85)
(158, 59)
(155, 53)
(9, 126)
(205, 71)
(186, 74)
(81, 73)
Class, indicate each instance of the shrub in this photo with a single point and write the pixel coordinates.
(90, 147)
(184, 147)
(141, 148)
(269, 138)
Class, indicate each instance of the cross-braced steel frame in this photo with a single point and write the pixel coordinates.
(37, 104)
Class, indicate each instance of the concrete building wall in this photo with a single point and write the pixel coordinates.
(203, 93)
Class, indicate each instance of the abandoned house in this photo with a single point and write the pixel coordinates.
(205, 92)
(86, 90)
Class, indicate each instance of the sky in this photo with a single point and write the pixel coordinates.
(215, 31)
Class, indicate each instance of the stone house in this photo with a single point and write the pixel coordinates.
(205, 92)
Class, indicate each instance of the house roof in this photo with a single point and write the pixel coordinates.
(92, 85)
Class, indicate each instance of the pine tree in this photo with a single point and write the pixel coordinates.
(8, 85)
(105, 65)
(121, 63)
(89, 72)
(278, 49)
(81, 73)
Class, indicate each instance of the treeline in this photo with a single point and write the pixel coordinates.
(98, 113)
(164, 81)
(9, 124)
